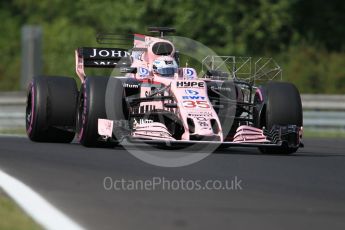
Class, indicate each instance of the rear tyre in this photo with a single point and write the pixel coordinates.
(50, 109)
(282, 106)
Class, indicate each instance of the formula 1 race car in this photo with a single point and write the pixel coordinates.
(158, 102)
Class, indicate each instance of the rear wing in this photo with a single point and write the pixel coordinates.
(100, 58)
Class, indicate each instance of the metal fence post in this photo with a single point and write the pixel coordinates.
(31, 61)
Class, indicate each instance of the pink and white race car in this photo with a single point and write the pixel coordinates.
(156, 101)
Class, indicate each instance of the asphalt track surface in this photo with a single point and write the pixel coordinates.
(301, 191)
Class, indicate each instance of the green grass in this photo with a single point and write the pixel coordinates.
(12, 217)
(312, 133)
(13, 131)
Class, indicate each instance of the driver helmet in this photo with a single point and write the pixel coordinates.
(165, 66)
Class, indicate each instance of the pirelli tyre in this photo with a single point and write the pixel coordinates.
(50, 109)
(100, 98)
(281, 105)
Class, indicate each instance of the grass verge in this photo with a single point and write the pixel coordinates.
(312, 133)
(12, 217)
(17, 131)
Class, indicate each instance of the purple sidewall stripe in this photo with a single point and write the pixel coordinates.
(258, 92)
(83, 117)
(32, 89)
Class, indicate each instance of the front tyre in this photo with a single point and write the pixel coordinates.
(281, 106)
(91, 107)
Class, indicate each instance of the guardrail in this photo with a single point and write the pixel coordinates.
(319, 111)
(12, 110)
(323, 102)
(324, 111)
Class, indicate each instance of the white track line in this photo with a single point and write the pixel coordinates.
(35, 205)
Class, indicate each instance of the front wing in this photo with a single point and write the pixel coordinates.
(185, 143)
(246, 136)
